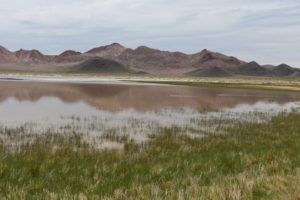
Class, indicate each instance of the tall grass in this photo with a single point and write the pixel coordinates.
(251, 161)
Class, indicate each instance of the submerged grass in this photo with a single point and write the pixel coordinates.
(251, 161)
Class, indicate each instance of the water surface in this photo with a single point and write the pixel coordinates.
(135, 110)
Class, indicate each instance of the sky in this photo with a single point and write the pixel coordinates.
(267, 31)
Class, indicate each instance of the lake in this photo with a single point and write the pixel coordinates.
(96, 110)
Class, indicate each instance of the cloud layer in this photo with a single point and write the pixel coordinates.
(264, 30)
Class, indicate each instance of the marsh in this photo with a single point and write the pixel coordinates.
(116, 140)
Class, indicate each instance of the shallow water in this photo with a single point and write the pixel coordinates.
(96, 110)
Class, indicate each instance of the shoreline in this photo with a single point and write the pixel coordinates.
(257, 83)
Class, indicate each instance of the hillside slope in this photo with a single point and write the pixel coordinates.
(115, 58)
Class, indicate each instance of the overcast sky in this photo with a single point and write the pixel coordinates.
(267, 31)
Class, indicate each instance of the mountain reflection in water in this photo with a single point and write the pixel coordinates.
(141, 98)
(96, 110)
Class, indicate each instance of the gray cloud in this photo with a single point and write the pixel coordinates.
(263, 30)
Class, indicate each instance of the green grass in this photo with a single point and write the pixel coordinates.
(250, 162)
(255, 84)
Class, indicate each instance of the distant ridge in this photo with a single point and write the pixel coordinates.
(6, 56)
(210, 72)
(31, 55)
(283, 70)
(100, 65)
(251, 69)
(69, 53)
(115, 58)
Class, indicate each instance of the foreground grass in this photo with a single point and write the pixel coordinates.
(250, 162)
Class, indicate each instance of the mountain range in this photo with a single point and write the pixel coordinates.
(115, 58)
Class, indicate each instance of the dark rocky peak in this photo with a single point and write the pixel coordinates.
(204, 51)
(253, 64)
(116, 45)
(145, 50)
(4, 51)
(207, 56)
(112, 47)
(28, 55)
(28, 52)
(284, 66)
(69, 53)
(283, 70)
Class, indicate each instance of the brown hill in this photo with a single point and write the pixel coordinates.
(31, 56)
(210, 72)
(251, 69)
(165, 62)
(108, 51)
(115, 58)
(207, 58)
(153, 60)
(68, 56)
(6, 55)
(100, 65)
(69, 53)
(283, 70)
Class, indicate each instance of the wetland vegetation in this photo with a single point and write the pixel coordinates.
(94, 141)
(250, 161)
